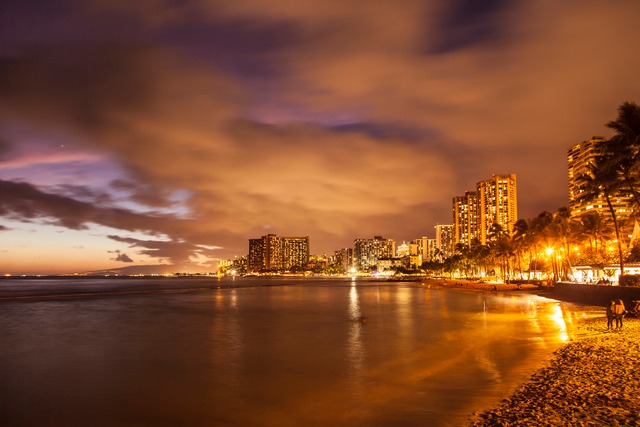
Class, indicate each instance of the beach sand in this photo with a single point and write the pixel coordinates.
(592, 381)
(479, 285)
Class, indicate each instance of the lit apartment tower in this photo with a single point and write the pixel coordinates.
(273, 253)
(296, 252)
(256, 259)
(579, 157)
(425, 248)
(465, 218)
(429, 250)
(366, 252)
(414, 253)
(444, 240)
(344, 259)
(497, 204)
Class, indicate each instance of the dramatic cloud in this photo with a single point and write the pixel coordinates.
(27, 203)
(178, 252)
(122, 257)
(204, 124)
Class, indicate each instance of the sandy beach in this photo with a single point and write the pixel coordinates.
(592, 381)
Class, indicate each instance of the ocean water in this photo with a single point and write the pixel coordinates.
(265, 352)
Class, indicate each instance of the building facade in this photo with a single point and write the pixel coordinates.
(425, 250)
(495, 201)
(465, 218)
(274, 253)
(366, 252)
(444, 241)
(497, 204)
(579, 158)
(343, 259)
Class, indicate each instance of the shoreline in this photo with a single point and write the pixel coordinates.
(591, 381)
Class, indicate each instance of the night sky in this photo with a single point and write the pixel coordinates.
(170, 132)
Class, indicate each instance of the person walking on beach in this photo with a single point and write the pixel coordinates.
(618, 310)
(610, 314)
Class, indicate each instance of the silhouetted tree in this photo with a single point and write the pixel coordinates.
(601, 181)
(623, 149)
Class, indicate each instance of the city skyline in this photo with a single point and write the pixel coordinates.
(161, 134)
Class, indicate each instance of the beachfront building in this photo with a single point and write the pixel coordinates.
(425, 249)
(366, 252)
(495, 201)
(318, 264)
(390, 265)
(415, 254)
(579, 157)
(444, 241)
(343, 260)
(497, 204)
(274, 253)
(236, 266)
(465, 218)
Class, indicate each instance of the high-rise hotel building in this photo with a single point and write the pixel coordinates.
(367, 252)
(465, 218)
(495, 201)
(273, 253)
(497, 204)
(444, 240)
(579, 157)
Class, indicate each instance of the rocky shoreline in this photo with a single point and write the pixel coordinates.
(593, 381)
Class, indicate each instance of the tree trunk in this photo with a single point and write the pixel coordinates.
(615, 226)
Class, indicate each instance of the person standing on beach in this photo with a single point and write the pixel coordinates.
(610, 314)
(618, 310)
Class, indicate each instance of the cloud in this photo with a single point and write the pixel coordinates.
(4, 147)
(178, 251)
(122, 257)
(303, 178)
(25, 202)
(39, 159)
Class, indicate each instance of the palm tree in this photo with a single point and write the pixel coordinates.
(623, 149)
(602, 181)
(595, 228)
(521, 242)
(562, 229)
(463, 258)
(503, 250)
(538, 233)
(478, 255)
(500, 247)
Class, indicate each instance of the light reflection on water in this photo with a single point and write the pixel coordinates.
(319, 353)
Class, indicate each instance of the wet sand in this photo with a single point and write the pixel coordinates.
(592, 381)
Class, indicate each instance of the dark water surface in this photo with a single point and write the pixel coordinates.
(240, 353)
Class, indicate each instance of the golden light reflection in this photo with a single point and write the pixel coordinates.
(355, 350)
(558, 318)
(227, 341)
(354, 304)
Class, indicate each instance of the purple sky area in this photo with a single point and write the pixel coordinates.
(159, 132)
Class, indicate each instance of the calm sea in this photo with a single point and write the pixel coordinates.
(264, 352)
